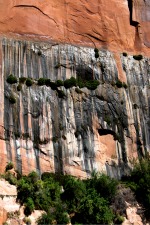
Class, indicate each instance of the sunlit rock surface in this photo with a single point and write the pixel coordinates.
(104, 129)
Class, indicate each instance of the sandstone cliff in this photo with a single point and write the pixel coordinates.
(102, 129)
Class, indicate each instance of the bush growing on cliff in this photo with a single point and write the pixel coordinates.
(93, 209)
(12, 99)
(124, 54)
(92, 84)
(22, 80)
(96, 53)
(11, 79)
(138, 57)
(70, 82)
(29, 82)
(19, 87)
(10, 178)
(103, 184)
(53, 85)
(61, 94)
(120, 84)
(29, 206)
(41, 81)
(9, 166)
(47, 82)
(59, 83)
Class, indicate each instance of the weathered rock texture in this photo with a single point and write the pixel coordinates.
(10, 210)
(104, 129)
(116, 24)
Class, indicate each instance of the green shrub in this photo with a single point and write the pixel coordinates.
(103, 184)
(80, 83)
(59, 83)
(11, 79)
(33, 177)
(22, 79)
(41, 81)
(53, 85)
(61, 94)
(92, 84)
(70, 82)
(94, 209)
(96, 53)
(29, 82)
(29, 206)
(119, 84)
(47, 176)
(10, 178)
(9, 166)
(19, 87)
(124, 54)
(138, 57)
(12, 99)
(47, 82)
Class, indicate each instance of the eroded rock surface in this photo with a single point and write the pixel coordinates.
(105, 129)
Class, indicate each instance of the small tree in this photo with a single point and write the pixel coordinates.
(11, 79)
(29, 82)
(9, 166)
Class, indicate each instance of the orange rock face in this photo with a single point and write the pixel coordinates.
(118, 25)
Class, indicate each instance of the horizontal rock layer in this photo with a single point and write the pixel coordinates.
(103, 129)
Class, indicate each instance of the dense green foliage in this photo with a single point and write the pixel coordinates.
(11, 79)
(70, 82)
(120, 84)
(92, 84)
(53, 85)
(41, 81)
(59, 83)
(29, 82)
(65, 198)
(9, 166)
(88, 201)
(138, 57)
